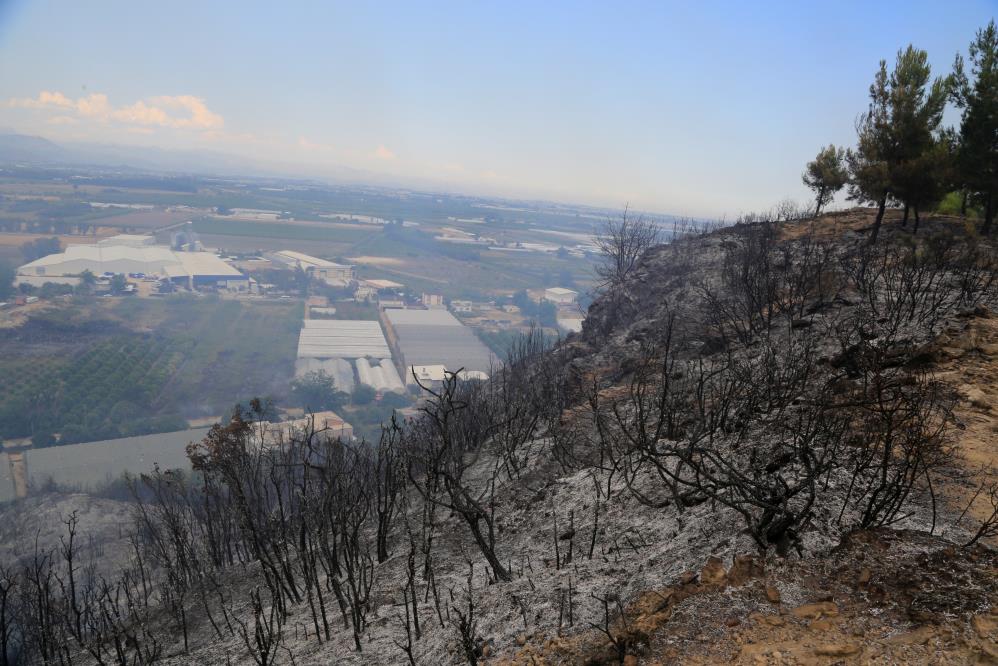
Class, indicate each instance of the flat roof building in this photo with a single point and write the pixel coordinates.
(434, 338)
(322, 424)
(427, 375)
(419, 317)
(433, 301)
(383, 284)
(129, 240)
(432, 376)
(560, 295)
(329, 272)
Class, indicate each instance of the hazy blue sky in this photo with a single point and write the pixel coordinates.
(690, 108)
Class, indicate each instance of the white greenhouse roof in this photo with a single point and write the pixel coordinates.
(206, 263)
(342, 338)
(307, 260)
(150, 259)
(339, 369)
(133, 240)
(381, 376)
(105, 253)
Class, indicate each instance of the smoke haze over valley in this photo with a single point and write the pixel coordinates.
(450, 333)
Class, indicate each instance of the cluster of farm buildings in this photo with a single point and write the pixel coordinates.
(414, 342)
(405, 348)
(410, 344)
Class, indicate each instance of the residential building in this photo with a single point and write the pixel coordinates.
(433, 301)
(560, 295)
(323, 424)
(330, 272)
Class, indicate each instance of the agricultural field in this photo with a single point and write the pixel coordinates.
(25, 377)
(10, 244)
(141, 221)
(97, 370)
(411, 256)
(416, 259)
(255, 244)
(330, 231)
(48, 202)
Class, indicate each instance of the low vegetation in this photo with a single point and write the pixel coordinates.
(904, 155)
(115, 380)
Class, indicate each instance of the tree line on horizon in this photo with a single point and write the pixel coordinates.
(904, 156)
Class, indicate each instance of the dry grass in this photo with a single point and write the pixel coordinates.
(16, 240)
(376, 261)
(968, 360)
(860, 220)
(884, 598)
(146, 220)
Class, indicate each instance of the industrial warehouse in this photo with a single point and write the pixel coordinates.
(130, 254)
(333, 274)
(424, 344)
(427, 338)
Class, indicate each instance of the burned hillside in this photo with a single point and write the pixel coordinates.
(757, 430)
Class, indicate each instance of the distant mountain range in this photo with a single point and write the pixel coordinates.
(16, 147)
(24, 148)
(36, 150)
(39, 151)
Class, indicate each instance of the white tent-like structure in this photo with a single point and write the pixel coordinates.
(341, 370)
(381, 376)
(133, 254)
(103, 258)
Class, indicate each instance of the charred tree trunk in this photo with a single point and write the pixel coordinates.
(989, 214)
(882, 206)
(818, 201)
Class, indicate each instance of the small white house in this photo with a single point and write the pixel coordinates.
(560, 295)
(427, 375)
(433, 301)
(333, 274)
